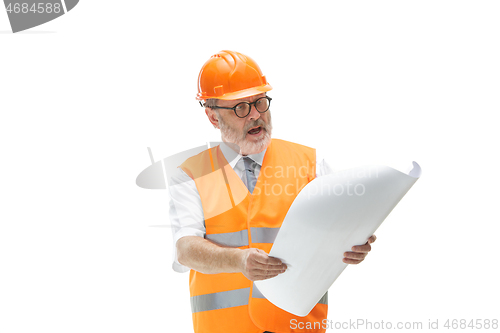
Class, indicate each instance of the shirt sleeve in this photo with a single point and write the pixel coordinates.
(186, 212)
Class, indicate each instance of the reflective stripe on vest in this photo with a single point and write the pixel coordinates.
(236, 239)
(229, 299)
(264, 235)
(240, 238)
(222, 300)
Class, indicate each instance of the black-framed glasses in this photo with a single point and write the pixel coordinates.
(242, 109)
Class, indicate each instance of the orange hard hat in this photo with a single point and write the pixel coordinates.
(230, 75)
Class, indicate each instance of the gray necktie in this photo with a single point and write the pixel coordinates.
(249, 170)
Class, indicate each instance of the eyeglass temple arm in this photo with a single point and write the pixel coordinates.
(269, 98)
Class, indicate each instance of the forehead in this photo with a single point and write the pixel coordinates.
(236, 101)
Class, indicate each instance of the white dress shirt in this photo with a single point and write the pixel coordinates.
(186, 211)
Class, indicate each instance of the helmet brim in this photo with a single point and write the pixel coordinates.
(240, 94)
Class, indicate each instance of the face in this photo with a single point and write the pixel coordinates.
(252, 133)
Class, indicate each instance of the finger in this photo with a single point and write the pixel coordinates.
(263, 258)
(351, 261)
(362, 248)
(264, 270)
(265, 274)
(372, 239)
(355, 255)
(258, 265)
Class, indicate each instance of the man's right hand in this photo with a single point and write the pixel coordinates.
(258, 265)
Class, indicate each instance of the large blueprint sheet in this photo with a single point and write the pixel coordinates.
(330, 215)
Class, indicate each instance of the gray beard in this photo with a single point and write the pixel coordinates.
(246, 147)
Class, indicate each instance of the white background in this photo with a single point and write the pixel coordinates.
(366, 82)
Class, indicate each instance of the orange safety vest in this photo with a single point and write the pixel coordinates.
(229, 302)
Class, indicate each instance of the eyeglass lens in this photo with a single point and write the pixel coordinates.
(243, 109)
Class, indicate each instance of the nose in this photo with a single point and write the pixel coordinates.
(254, 114)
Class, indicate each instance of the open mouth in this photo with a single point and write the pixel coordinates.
(255, 130)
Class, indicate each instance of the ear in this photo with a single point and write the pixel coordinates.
(212, 117)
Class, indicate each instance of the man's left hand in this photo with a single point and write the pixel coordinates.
(358, 252)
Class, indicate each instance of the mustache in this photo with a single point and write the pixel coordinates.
(255, 123)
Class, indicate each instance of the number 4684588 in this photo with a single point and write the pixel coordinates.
(36, 8)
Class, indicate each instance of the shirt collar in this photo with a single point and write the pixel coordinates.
(233, 157)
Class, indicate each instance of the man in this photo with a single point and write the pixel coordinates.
(226, 208)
